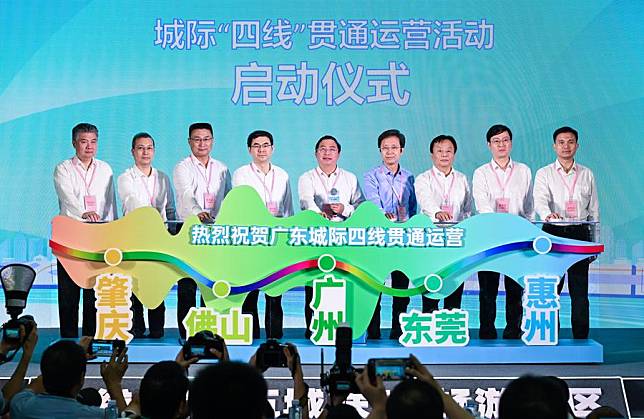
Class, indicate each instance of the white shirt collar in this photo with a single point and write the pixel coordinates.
(495, 165)
(320, 172)
(558, 166)
(437, 172)
(197, 162)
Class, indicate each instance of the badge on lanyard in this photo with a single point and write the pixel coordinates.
(334, 196)
(209, 200)
(502, 205)
(571, 209)
(273, 208)
(90, 203)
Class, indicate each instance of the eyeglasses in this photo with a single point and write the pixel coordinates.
(144, 148)
(261, 146)
(201, 140)
(504, 141)
(328, 150)
(386, 149)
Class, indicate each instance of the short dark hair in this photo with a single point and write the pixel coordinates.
(496, 130)
(533, 397)
(410, 397)
(235, 388)
(343, 411)
(440, 138)
(564, 130)
(328, 137)
(199, 125)
(141, 135)
(83, 127)
(63, 366)
(392, 133)
(258, 133)
(163, 388)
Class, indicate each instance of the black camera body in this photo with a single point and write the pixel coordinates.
(271, 354)
(341, 377)
(389, 369)
(200, 344)
(11, 329)
(105, 347)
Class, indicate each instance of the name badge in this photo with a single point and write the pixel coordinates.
(502, 205)
(571, 209)
(402, 213)
(209, 201)
(90, 203)
(334, 199)
(448, 208)
(272, 207)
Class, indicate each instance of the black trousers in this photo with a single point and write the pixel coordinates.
(399, 305)
(450, 302)
(186, 293)
(156, 318)
(489, 289)
(68, 299)
(273, 315)
(577, 280)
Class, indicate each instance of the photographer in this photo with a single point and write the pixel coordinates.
(14, 384)
(375, 395)
(53, 393)
(300, 388)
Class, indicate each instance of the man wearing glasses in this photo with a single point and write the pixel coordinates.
(201, 183)
(329, 190)
(272, 185)
(144, 186)
(391, 188)
(502, 185)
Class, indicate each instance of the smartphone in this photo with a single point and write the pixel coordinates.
(389, 369)
(105, 347)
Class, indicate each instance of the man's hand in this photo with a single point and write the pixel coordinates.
(114, 370)
(337, 208)
(85, 342)
(30, 341)
(391, 216)
(443, 216)
(375, 394)
(91, 216)
(205, 217)
(553, 216)
(185, 363)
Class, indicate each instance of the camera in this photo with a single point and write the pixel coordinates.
(11, 329)
(200, 344)
(271, 354)
(341, 377)
(389, 369)
(105, 347)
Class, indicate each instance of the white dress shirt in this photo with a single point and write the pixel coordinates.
(553, 187)
(192, 180)
(136, 190)
(73, 183)
(513, 183)
(434, 189)
(314, 187)
(272, 187)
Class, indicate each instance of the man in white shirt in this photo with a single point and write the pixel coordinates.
(443, 194)
(391, 188)
(502, 185)
(329, 190)
(144, 186)
(200, 183)
(565, 194)
(86, 193)
(272, 185)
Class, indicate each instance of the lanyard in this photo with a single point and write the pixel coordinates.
(203, 175)
(144, 179)
(254, 169)
(571, 189)
(392, 184)
(84, 176)
(451, 185)
(498, 179)
(337, 176)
